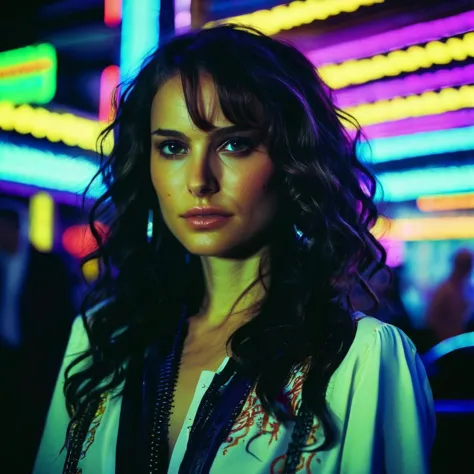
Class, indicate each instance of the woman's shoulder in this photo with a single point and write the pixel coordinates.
(381, 354)
(372, 333)
(78, 338)
(377, 344)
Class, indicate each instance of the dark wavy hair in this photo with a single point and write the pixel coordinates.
(321, 250)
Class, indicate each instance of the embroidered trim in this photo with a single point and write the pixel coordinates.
(93, 427)
(254, 414)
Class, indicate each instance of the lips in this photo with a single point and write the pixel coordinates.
(206, 212)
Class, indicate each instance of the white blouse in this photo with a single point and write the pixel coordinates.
(379, 398)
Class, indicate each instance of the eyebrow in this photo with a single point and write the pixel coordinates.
(165, 132)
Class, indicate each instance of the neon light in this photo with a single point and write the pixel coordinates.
(32, 88)
(28, 74)
(428, 228)
(382, 150)
(39, 65)
(112, 12)
(454, 406)
(109, 80)
(345, 74)
(42, 221)
(81, 132)
(427, 103)
(409, 185)
(409, 85)
(46, 170)
(78, 240)
(395, 39)
(27, 190)
(450, 202)
(55, 127)
(20, 56)
(297, 13)
(182, 15)
(64, 173)
(428, 123)
(91, 270)
(140, 33)
(461, 341)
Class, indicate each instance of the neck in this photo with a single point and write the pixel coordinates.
(233, 289)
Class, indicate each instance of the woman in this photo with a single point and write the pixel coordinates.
(224, 340)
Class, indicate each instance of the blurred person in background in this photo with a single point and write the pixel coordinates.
(219, 337)
(35, 316)
(450, 308)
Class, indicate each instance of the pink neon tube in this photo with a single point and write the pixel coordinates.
(429, 123)
(392, 40)
(112, 12)
(409, 85)
(109, 79)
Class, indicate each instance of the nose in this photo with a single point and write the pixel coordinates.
(202, 178)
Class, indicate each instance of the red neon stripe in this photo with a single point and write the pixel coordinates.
(112, 12)
(109, 79)
(39, 65)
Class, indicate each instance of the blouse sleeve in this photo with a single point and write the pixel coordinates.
(50, 459)
(392, 422)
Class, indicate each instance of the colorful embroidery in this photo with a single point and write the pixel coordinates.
(93, 428)
(278, 464)
(246, 419)
(253, 413)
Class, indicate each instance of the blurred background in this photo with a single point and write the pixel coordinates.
(404, 69)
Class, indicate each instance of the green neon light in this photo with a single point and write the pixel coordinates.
(30, 53)
(36, 87)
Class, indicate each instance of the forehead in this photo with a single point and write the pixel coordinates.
(169, 107)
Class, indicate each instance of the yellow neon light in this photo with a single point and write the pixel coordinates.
(41, 229)
(297, 13)
(435, 228)
(448, 202)
(397, 62)
(81, 132)
(55, 127)
(91, 269)
(428, 103)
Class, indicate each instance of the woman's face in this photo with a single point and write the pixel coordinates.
(215, 189)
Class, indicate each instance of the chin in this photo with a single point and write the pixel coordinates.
(237, 250)
(214, 249)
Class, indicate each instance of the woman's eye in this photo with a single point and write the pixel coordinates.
(171, 149)
(238, 146)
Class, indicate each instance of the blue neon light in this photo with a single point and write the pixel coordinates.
(461, 341)
(381, 150)
(40, 168)
(408, 185)
(140, 33)
(454, 406)
(34, 167)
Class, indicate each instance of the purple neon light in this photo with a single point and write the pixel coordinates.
(395, 39)
(429, 123)
(182, 15)
(412, 84)
(27, 190)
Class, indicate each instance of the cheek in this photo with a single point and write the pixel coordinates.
(162, 186)
(258, 181)
(256, 189)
